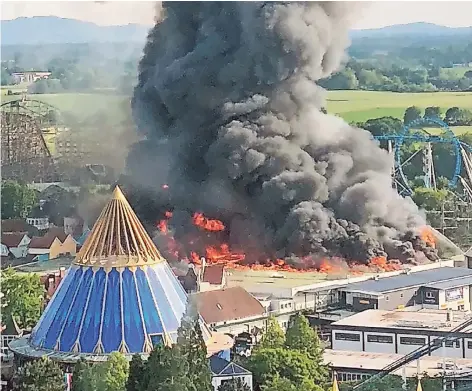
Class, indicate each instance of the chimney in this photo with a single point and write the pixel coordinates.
(376, 278)
(62, 272)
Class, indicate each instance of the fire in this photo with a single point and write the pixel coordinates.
(384, 265)
(207, 224)
(215, 251)
(162, 226)
(428, 236)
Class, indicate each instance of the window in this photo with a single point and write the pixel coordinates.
(429, 295)
(379, 338)
(469, 344)
(347, 337)
(387, 298)
(453, 344)
(401, 294)
(412, 341)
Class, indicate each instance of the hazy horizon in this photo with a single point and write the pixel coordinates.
(372, 14)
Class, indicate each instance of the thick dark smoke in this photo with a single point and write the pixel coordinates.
(230, 111)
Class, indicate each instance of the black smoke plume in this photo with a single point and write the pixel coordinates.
(230, 111)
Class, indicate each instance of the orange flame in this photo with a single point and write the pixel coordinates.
(222, 254)
(207, 224)
(383, 264)
(428, 236)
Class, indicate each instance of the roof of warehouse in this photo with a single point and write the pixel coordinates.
(426, 277)
(451, 283)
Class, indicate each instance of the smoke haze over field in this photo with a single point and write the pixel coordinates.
(228, 103)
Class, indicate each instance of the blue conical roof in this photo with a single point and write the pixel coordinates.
(119, 295)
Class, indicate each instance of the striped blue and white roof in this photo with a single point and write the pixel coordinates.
(119, 295)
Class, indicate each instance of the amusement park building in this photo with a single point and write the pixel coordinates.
(119, 295)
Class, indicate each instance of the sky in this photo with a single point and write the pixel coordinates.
(374, 14)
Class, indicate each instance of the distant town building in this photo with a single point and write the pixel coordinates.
(38, 218)
(55, 243)
(16, 243)
(30, 76)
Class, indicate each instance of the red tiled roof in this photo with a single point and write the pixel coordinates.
(15, 225)
(227, 304)
(12, 239)
(213, 274)
(42, 241)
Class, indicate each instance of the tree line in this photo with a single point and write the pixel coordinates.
(371, 76)
(76, 67)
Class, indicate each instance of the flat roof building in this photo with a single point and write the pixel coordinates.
(404, 331)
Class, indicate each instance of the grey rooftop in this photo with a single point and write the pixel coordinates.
(427, 277)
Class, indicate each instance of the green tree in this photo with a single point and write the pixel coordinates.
(344, 80)
(136, 374)
(278, 383)
(429, 199)
(432, 112)
(273, 337)
(78, 376)
(382, 126)
(193, 350)
(23, 297)
(294, 365)
(300, 336)
(412, 113)
(166, 370)
(39, 375)
(114, 373)
(17, 200)
(110, 375)
(235, 384)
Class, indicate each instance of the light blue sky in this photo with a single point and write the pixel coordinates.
(375, 14)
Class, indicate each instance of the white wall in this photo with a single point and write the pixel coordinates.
(22, 249)
(468, 352)
(449, 351)
(39, 223)
(338, 344)
(38, 251)
(405, 349)
(378, 347)
(216, 380)
(455, 304)
(3, 250)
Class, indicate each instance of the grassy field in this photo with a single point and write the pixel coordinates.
(359, 106)
(82, 105)
(353, 106)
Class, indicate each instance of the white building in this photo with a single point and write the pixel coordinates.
(16, 243)
(404, 331)
(223, 371)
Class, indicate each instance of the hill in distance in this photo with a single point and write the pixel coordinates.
(421, 29)
(54, 30)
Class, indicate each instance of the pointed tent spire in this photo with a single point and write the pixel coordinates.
(118, 238)
(335, 383)
(419, 388)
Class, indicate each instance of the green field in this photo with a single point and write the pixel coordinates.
(353, 106)
(359, 106)
(82, 106)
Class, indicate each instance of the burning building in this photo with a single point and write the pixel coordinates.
(119, 295)
(238, 157)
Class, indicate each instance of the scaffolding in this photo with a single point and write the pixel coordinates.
(453, 220)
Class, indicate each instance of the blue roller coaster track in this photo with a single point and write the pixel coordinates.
(407, 135)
